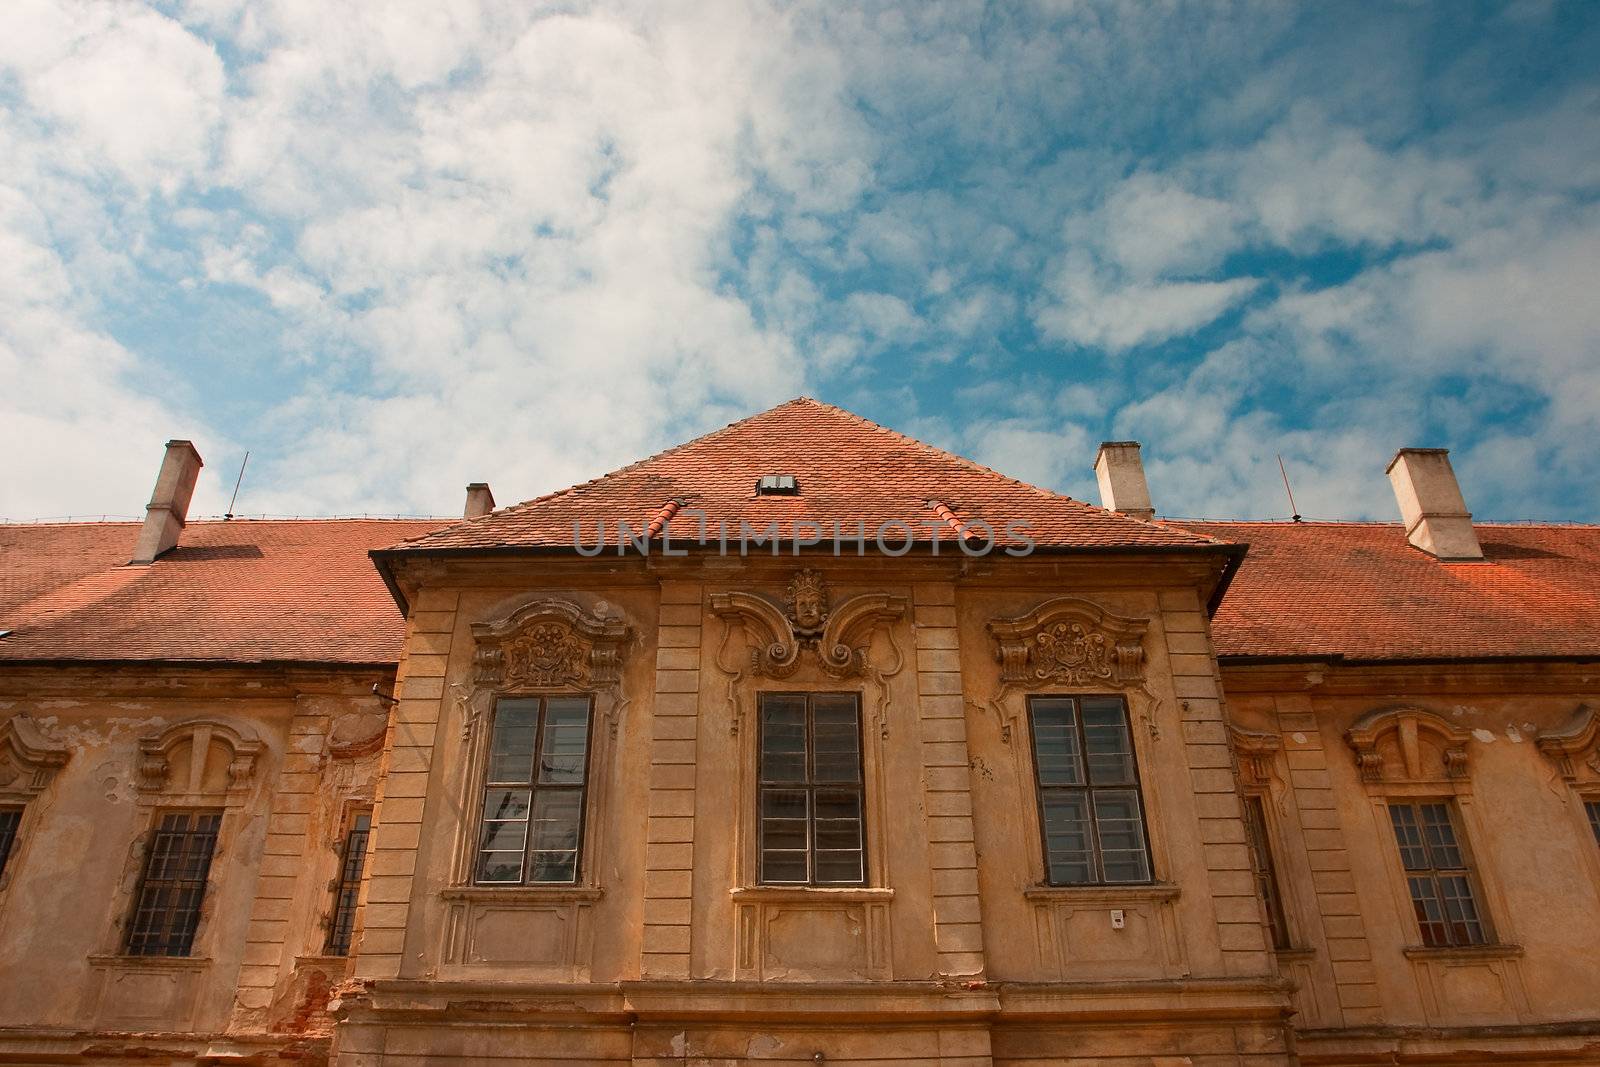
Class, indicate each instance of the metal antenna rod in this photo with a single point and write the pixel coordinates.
(1286, 488)
(235, 496)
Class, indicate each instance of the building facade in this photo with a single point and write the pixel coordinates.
(803, 742)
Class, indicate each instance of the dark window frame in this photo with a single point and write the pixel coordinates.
(534, 787)
(347, 887)
(1591, 808)
(1087, 789)
(10, 834)
(811, 788)
(1442, 932)
(1258, 837)
(169, 928)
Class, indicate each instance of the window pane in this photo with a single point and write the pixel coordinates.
(1069, 852)
(1440, 836)
(836, 740)
(1121, 831)
(166, 912)
(1429, 909)
(1055, 742)
(1592, 807)
(783, 835)
(1460, 910)
(838, 840)
(1255, 816)
(347, 891)
(1110, 749)
(566, 742)
(10, 820)
(1408, 835)
(553, 855)
(500, 866)
(516, 726)
(783, 738)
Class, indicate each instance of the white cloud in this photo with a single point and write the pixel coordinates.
(1091, 311)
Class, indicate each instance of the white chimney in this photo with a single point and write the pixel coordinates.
(1436, 517)
(479, 500)
(1121, 475)
(169, 504)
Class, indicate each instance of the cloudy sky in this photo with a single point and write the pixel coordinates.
(393, 248)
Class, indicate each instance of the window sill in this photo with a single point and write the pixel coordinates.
(840, 894)
(1108, 895)
(152, 963)
(1295, 953)
(1462, 952)
(522, 893)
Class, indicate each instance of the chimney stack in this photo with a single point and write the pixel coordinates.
(1120, 471)
(1436, 517)
(169, 504)
(479, 500)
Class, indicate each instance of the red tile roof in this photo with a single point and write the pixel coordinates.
(1360, 591)
(243, 591)
(850, 470)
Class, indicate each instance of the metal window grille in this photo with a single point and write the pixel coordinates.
(811, 795)
(348, 890)
(534, 790)
(1255, 821)
(166, 911)
(1590, 807)
(10, 820)
(1438, 874)
(1091, 813)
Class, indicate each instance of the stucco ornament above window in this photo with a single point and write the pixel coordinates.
(1070, 642)
(1067, 643)
(549, 644)
(838, 635)
(1408, 744)
(199, 758)
(1575, 746)
(29, 757)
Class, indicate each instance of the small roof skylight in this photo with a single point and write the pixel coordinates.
(777, 485)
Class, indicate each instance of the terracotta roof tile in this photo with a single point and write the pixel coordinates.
(239, 592)
(1360, 591)
(850, 470)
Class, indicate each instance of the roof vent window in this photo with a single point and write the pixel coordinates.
(777, 485)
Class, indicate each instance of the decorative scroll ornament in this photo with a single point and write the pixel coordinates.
(1568, 746)
(1256, 753)
(1395, 744)
(549, 644)
(29, 757)
(1070, 642)
(839, 636)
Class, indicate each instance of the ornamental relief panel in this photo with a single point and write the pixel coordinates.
(1068, 643)
(805, 627)
(550, 644)
(1409, 745)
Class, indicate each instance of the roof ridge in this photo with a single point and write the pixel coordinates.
(1049, 494)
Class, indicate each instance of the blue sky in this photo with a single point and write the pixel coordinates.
(391, 249)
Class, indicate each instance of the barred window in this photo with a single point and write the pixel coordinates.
(166, 911)
(348, 889)
(534, 791)
(811, 826)
(1255, 823)
(1437, 873)
(1090, 810)
(10, 820)
(1591, 807)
